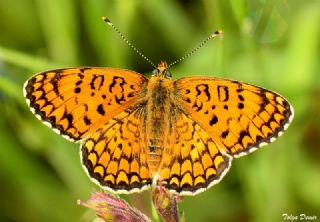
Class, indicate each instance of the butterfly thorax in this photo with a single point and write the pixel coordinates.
(160, 91)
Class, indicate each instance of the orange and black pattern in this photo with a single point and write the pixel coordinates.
(137, 132)
(238, 116)
(192, 161)
(115, 156)
(77, 101)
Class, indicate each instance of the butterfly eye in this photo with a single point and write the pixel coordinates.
(155, 72)
(167, 73)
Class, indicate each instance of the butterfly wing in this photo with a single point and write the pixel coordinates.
(239, 117)
(191, 161)
(115, 155)
(77, 101)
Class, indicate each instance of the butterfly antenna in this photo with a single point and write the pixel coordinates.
(106, 20)
(213, 35)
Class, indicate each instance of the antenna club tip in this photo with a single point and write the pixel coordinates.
(106, 20)
(219, 32)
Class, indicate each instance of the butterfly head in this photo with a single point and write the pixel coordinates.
(162, 70)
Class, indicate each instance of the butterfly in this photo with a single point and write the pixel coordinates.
(137, 132)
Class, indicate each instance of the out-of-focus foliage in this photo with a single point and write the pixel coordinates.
(273, 44)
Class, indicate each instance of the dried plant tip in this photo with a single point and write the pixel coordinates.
(166, 204)
(110, 208)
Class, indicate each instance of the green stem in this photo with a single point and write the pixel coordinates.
(154, 212)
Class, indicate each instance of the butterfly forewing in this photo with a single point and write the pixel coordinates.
(77, 101)
(239, 117)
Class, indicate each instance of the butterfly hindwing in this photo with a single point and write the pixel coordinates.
(77, 101)
(239, 117)
(192, 162)
(115, 155)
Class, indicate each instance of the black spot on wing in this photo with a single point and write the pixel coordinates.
(70, 119)
(117, 80)
(77, 90)
(100, 110)
(97, 82)
(240, 105)
(203, 89)
(223, 93)
(224, 134)
(79, 82)
(241, 98)
(86, 120)
(214, 120)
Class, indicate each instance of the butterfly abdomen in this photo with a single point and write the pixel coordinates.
(158, 118)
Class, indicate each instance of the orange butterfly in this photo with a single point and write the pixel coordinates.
(132, 130)
(135, 132)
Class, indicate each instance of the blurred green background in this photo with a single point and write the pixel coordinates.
(273, 44)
